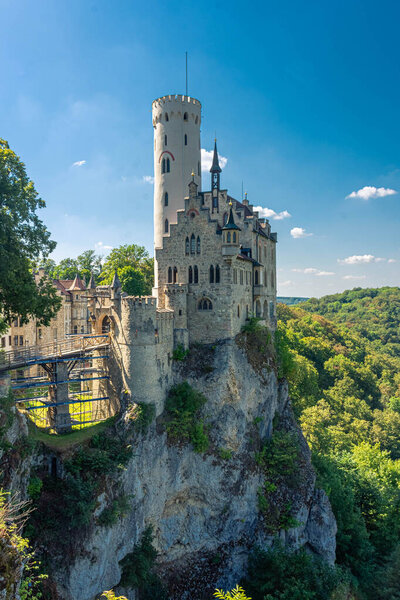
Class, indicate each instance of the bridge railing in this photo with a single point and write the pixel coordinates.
(30, 354)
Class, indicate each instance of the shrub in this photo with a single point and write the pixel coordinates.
(119, 508)
(180, 353)
(35, 487)
(225, 453)
(138, 569)
(143, 414)
(286, 364)
(183, 406)
(281, 575)
(237, 593)
(253, 325)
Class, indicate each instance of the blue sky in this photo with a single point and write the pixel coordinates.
(303, 97)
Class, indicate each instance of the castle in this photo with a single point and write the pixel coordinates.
(215, 266)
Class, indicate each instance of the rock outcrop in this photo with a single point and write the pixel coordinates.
(203, 509)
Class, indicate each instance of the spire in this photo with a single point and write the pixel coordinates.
(230, 224)
(77, 284)
(116, 284)
(92, 284)
(215, 168)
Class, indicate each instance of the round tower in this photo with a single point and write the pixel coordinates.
(177, 154)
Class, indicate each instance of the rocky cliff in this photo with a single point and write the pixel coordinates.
(206, 509)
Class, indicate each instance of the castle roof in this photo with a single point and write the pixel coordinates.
(115, 284)
(92, 284)
(77, 284)
(215, 168)
(230, 224)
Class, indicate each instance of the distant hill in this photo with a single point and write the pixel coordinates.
(372, 312)
(290, 300)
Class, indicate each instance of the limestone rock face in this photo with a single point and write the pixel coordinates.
(203, 509)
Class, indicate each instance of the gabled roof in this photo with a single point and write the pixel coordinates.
(77, 284)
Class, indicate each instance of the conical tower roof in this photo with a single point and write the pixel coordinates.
(215, 168)
(92, 284)
(230, 224)
(116, 284)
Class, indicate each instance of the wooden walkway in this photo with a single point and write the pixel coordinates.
(69, 347)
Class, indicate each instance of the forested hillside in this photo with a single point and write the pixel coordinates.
(372, 312)
(346, 394)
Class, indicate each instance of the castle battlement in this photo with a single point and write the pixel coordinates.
(175, 98)
(136, 302)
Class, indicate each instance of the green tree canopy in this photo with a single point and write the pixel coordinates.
(134, 268)
(23, 239)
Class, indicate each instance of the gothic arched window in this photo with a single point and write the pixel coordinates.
(175, 274)
(256, 277)
(212, 274)
(163, 165)
(204, 304)
(192, 244)
(169, 274)
(185, 139)
(217, 274)
(190, 275)
(166, 226)
(187, 246)
(166, 199)
(168, 165)
(198, 244)
(196, 274)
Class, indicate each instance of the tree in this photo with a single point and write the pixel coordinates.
(136, 257)
(23, 238)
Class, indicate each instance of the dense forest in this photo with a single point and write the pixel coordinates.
(345, 387)
(372, 312)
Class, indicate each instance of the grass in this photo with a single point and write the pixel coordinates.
(67, 440)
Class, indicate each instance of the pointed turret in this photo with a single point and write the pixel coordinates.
(192, 187)
(92, 284)
(230, 224)
(215, 175)
(230, 235)
(215, 168)
(115, 284)
(77, 284)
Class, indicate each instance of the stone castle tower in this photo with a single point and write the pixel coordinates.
(177, 154)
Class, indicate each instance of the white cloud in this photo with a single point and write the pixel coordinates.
(392, 260)
(79, 163)
(148, 179)
(359, 259)
(268, 213)
(354, 277)
(312, 271)
(99, 247)
(207, 158)
(370, 191)
(285, 283)
(299, 232)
